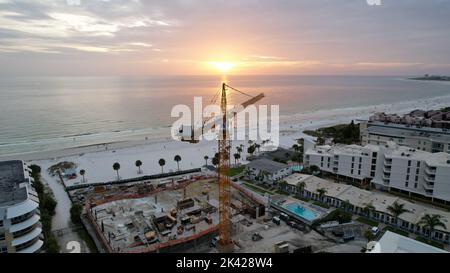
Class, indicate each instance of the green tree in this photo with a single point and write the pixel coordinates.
(177, 159)
(300, 187)
(138, 164)
(369, 235)
(237, 156)
(321, 192)
(258, 147)
(251, 150)
(314, 169)
(161, 163)
(396, 210)
(75, 213)
(368, 209)
(430, 222)
(82, 173)
(116, 167)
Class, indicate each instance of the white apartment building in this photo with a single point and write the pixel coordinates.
(351, 162)
(20, 229)
(433, 140)
(387, 167)
(413, 172)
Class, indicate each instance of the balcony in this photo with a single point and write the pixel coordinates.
(428, 186)
(429, 179)
(388, 162)
(430, 170)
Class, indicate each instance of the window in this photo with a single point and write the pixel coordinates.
(407, 177)
(415, 185)
(418, 164)
(409, 163)
(408, 170)
(406, 184)
(416, 178)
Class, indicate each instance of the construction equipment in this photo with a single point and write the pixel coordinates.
(224, 146)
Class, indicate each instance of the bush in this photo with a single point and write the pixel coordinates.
(35, 169)
(75, 213)
(321, 205)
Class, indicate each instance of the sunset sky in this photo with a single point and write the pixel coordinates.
(137, 37)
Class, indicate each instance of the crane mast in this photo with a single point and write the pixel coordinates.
(225, 243)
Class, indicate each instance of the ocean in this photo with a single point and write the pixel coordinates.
(40, 114)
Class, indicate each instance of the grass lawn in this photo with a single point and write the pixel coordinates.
(367, 221)
(301, 198)
(257, 188)
(321, 205)
(396, 230)
(429, 242)
(235, 171)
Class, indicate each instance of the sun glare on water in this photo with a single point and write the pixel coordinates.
(223, 67)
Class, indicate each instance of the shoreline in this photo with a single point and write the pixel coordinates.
(290, 125)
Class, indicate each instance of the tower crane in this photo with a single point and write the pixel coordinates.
(224, 146)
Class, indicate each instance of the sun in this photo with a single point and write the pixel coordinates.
(223, 67)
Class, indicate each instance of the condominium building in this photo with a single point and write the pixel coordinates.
(20, 229)
(413, 172)
(387, 167)
(351, 162)
(427, 139)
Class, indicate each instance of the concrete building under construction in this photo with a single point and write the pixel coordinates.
(165, 219)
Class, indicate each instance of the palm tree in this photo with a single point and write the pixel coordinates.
(177, 159)
(82, 173)
(300, 187)
(396, 210)
(282, 185)
(138, 164)
(321, 192)
(236, 158)
(251, 150)
(161, 163)
(257, 146)
(239, 150)
(430, 222)
(206, 160)
(369, 207)
(215, 161)
(346, 205)
(116, 167)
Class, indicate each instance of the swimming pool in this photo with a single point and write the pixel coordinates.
(302, 211)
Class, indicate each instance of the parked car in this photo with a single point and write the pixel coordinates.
(284, 217)
(375, 231)
(276, 220)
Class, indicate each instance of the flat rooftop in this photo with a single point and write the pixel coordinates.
(267, 165)
(405, 133)
(345, 149)
(361, 198)
(11, 176)
(395, 243)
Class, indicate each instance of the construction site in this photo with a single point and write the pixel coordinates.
(163, 216)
